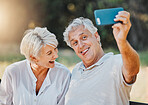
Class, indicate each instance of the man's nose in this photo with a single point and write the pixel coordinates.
(81, 44)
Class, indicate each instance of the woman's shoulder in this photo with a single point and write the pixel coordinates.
(16, 66)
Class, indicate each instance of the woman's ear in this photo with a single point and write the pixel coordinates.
(34, 59)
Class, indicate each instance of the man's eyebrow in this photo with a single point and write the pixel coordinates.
(79, 35)
(71, 40)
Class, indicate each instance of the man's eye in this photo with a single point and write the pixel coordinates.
(75, 43)
(84, 37)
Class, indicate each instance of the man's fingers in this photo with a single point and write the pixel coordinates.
(117, 25)
(122, 19)
(124, 14)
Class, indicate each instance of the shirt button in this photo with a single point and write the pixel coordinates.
(35, 100)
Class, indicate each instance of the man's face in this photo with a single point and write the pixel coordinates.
(85, 45)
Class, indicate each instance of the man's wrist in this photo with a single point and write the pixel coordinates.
(121, 42)
(122, 45)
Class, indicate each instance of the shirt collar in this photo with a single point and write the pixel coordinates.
(100, 62)
(30, 71)
(47, 79)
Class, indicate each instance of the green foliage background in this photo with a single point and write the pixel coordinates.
(56, 14)
(21, 15)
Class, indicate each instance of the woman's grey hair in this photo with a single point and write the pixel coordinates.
(87, 23)
(34, 39)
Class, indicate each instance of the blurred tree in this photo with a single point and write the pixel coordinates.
(56, 14)
(139, 17)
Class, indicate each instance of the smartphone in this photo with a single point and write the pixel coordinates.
(106, 16)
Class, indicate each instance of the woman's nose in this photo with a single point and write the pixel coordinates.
(55, 55)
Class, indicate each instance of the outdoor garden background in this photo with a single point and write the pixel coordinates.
(18, 15)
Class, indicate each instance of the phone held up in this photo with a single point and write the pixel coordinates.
(106, 16)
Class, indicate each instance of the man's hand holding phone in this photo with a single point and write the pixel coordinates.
(106, 16)
(120, 30)
(116, 16)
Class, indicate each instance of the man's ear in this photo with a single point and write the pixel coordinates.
(97, 36)
(34, 59)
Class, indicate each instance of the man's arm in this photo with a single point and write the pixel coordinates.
(130, 57)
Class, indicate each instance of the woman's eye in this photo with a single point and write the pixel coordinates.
(49, 53)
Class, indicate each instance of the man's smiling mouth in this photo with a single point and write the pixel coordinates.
(85, 51)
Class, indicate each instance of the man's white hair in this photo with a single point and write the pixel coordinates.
(34, 39)
(87, 23)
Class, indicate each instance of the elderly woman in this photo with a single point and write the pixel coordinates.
(38, 80)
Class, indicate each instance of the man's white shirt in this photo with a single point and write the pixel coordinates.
(99, 84)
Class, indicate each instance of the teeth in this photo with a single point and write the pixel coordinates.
(84, 51)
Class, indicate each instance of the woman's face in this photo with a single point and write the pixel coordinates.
(47, 57)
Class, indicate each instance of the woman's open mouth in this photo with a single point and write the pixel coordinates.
(51, 61)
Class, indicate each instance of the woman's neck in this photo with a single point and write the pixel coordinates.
(38, 70)
(40, 73)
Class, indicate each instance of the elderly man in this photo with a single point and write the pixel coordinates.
(101, 79)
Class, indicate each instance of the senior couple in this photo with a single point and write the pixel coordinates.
(99, 79)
